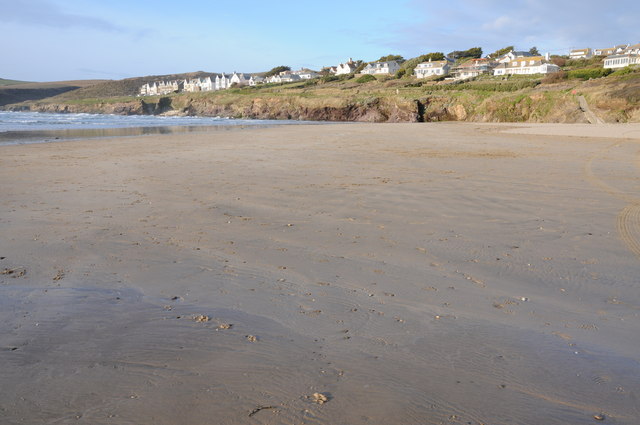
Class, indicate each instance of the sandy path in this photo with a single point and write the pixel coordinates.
(415, 274)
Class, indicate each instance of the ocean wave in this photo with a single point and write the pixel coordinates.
(30, 121)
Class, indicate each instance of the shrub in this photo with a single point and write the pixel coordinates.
(277, 70)
(555, 77)
(360, 67)
(329, 78)
(626, 70)
(486, 86)
(310, 83)
(587, 74)
(596, 61)
(365, 79)
(474, 52)
(389, 58)
(501, 52)
(401, 73)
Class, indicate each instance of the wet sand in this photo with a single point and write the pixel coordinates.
(343, 274)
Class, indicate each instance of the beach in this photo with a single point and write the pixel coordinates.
(446, 273)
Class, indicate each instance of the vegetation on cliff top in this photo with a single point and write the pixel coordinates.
(613, 96)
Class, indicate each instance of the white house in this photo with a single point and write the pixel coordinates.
(306, 74)
(207, 84)
(283, 77)
(431, 68)
(192, 85)
(145, 90)
(255, 80)
(581, 53)
(622, 60)
(610, 50)
(223, 81)
(240, 79)
(288, 77)
(348, 67)
(508, 57)
(381, 68)
(527, 66)
(473, 68)
(635, 49)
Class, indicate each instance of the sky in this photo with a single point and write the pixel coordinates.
(56, 40)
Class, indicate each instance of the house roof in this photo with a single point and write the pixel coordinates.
(515, 54)
(383, 64)
(434, 64)
(621, 55)
(475, 62)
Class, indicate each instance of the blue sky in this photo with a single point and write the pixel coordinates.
(50, 40)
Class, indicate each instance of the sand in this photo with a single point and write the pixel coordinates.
(338, 274)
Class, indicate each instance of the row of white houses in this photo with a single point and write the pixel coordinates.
(507, 64)
(291, 76)
(219, 82)
(222, 82)
(521, 63)
(616, 57)
(608, 51)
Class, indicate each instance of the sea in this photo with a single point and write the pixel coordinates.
(42, 127)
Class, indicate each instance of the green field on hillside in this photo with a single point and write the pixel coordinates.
(4, 82)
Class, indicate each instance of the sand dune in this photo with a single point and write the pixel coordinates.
(407, 273)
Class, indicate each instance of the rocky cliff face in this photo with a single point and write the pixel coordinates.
(618, 103)
(372, 110)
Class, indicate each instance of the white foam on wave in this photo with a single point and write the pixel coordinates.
(33, 121)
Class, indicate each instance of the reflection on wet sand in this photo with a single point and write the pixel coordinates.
(43, 136)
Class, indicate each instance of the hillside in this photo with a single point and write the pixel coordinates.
(128, 86)
(4, 82)
(19, 91)
(612, 98)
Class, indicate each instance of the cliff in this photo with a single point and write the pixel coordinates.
(610, 99)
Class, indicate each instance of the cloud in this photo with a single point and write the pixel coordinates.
(46, 13)
(498, 24)
(549, 24)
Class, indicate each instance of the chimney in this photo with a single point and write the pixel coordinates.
(546, 56)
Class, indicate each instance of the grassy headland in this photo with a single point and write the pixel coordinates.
(613, 97)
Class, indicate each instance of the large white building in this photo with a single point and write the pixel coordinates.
(306, 74)
(160, 88)
(581, 54)
(431, 68)
(622, 60)
(508, 57)
(526, 66)
(348, 67)
(473, 68)
(240, 79)
(381, 68)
